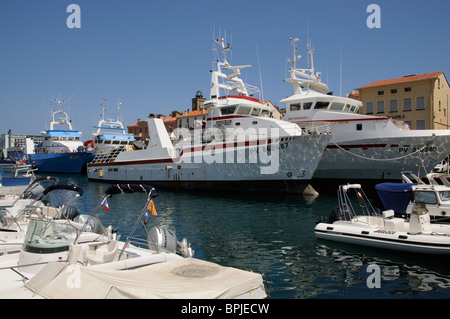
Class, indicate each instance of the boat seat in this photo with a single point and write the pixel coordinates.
(103, 254)
(49, 211)
(387, 214)
(391, 223)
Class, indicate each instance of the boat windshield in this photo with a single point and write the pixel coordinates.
(48, 237)
(227, 110)
(445, 195)
(427, 197)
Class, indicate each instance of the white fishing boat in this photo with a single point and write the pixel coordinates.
(110, 133)
(240, 147)
(363, 147)
(433, 189)
(368, 227)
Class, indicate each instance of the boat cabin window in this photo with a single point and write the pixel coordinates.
(336, 106)
(427, 197)
(256, 111)
(353, 108)
(116, 142)
(226, 110)
(244, 110)
(307, 105)
(445, 195)
(321, 105)
(296, 107)
(266, 113)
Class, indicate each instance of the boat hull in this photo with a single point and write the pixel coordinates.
(61, 162)
(283, 166)
(385, 239)
(383, 157)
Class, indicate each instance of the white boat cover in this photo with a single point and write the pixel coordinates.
(187, 278)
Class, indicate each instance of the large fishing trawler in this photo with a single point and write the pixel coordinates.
(240, 146)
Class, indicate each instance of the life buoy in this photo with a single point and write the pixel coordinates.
(87, 143)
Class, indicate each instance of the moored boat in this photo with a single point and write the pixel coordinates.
(240, 147)
(368, 227)
(62, 150)
(110, 133)
(433, 189)
(363, 147)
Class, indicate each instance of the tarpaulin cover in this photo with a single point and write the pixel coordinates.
(187, 278)
(395, 196)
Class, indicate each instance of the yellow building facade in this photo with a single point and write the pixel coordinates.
(422, 101)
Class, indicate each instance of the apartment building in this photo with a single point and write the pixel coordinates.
(422, 101)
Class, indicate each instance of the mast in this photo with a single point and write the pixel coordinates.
(308, 77)
(229, 82)
(63, 120)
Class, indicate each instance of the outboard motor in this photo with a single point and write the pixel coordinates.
(94, 222)
(71, 212)
(338, 213)
(161, 238)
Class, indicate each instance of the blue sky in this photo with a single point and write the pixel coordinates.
(155, 55)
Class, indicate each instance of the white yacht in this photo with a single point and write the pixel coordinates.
(363, 147)
(239, 146)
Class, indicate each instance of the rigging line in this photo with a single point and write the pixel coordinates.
(380, 159)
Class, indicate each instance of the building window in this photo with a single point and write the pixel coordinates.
(420, 124)
(380, 107)
(420, 103)
(407, 104)
(393, 106)
(393, 91)
(369, 107)
(408, 89)
(380, 92)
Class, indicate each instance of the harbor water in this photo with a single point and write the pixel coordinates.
(273, 234)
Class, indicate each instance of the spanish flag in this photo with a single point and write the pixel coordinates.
(151, 207)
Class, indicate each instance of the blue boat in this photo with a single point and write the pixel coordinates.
(62, 150)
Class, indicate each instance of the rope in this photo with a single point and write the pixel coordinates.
(380, 159)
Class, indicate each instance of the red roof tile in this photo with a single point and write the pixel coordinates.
(196, 112)
(405, 79)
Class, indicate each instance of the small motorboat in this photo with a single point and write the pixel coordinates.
(156, 267)
(381, 229)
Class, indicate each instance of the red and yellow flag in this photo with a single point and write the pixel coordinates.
(151, 207)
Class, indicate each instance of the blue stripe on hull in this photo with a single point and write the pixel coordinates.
(61, 162)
